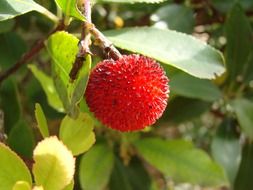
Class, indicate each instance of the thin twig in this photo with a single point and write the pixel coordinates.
(24, 59)
(35, 49)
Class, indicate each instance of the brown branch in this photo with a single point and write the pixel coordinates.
(35, 49)
(24, 59)
(217, 113)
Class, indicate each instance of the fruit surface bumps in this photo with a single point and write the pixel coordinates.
(127, 94)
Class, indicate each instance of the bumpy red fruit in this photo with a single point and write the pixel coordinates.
(127, 94)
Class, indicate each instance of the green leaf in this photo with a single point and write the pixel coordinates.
(226, 5)
(54, 164)
(192, 109)
(21, 139)
(170, 47)
(13, 169)
(48, 87)
(238, 46)
(185, 85)
(9, 103)
(179, 160)
(70, 186)
(248, 74)
(85, 108)
(69, 7)
(175, 17)
(37, 188)
(77, 134)
(41, 120)
(133, 176)
(226, 148)
(61, 90)
(95, 167)
(244, 176)
(63, 48)
(137, 174)
(12, 8)
(128, 1)
(119, 178)
(154, 185)
(6, 26)
(244, 112)
(21, 185)
(12, 47)
(80, 84)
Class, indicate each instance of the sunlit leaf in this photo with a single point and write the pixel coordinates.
(48, 87)
(13, 169)
(21, 185)
(63, 48)
(41, 120)
(12, 8)
(77, 134)
(70, 186)
(54, 164)
(69, 7)
(170, 47)
(38, 188)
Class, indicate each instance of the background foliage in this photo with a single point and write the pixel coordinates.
(203, 140)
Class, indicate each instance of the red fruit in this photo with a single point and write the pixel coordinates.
(127, 94)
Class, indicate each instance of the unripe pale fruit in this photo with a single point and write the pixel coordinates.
(127, 94)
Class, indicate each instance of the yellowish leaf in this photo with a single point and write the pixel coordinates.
(54, 164)
(21, 185)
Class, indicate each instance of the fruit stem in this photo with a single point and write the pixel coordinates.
(103, 42)
(84, 43)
